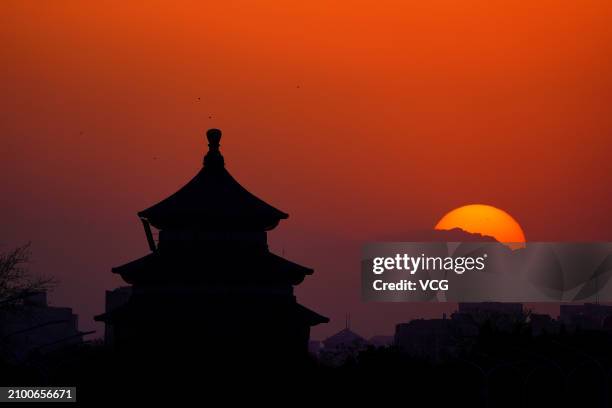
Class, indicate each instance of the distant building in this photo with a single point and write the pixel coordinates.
(486, 309)
(115, 299)
(434, 338)
(344, 339)
(314, 347)
(36, 327)
(588, 316)
(431, 338)
(543, 324)
(381, 341)
(341, 346)
(503, 316)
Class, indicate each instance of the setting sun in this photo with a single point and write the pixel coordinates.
(485, 220)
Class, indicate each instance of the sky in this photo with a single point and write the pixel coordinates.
(362, 120)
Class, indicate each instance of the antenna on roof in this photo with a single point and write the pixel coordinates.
(347, 321)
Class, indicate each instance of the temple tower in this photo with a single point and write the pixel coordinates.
(210, 286)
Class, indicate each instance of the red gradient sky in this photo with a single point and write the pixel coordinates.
(360, 119)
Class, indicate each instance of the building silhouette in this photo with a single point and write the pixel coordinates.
(114, 299)
(210, 287)
(589, 316)
(490, 309)
(437, 338)
(345, 339)
(381, 340)
(36, 327)
(344, 345)
(430, 338)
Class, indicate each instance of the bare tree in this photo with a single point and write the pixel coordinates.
(16, 282)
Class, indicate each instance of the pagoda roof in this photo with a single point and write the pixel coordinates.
(271, 269)
(213, 198)
(129, 311)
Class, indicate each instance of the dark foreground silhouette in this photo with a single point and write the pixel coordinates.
(498, 369)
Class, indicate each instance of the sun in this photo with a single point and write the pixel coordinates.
(486, 220)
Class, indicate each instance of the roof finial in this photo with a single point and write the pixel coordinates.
(213, 158)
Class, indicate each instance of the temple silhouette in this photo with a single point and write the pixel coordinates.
(210, 287)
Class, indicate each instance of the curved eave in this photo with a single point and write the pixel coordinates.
(132, 270)
(272, 267)
(296, 271)
(311, 317)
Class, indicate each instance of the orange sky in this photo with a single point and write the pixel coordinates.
(359, 119)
